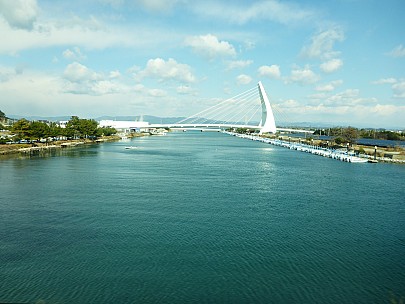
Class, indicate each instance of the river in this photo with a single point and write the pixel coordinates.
(199, 218)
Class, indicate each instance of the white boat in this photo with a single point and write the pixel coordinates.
(158, 132)
(131, 147)
(355, 159)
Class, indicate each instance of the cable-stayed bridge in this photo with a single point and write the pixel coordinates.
(250, 109)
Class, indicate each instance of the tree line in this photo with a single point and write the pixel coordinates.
(75, 128)
(350, 134)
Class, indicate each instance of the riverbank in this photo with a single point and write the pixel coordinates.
(35, 148)
(382, 154)
(39, 147)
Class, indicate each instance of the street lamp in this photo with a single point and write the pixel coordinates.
(375, 152)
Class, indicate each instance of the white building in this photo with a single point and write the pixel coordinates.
(124, 126)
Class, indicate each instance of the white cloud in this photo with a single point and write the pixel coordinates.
(104, 87)
(331, 65)
(397, 86)
(398, 51)
(272, 71)
(157, 5)
(318, 97)
(157, 93)
(243, 79)
(6, 73)
(303, 76)
(349, 97)
(75, 54)
(238, 64)
(385, 81)
(91, 33)
(20, 14)
(289, 103)
(76, 72)
(322, 44)
(399, 89)
(79, 79)
(185, 89)
(139, 87)
(162, 70)
(374, 115)
(134, 69)
(388, 110)
(235, 12)
(40, 93)
(209, 46)
(68, 54)
(115, 74)
(329, 86)
(347, 107)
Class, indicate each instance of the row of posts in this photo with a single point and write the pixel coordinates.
(327, 142)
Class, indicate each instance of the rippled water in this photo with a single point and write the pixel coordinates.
(200, 218)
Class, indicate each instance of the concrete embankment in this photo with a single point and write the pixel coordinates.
(337, 154)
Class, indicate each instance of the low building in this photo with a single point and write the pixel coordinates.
(123, 126)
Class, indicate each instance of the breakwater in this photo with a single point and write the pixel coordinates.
(342, 155)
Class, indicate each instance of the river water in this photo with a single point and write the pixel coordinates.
(199, 218)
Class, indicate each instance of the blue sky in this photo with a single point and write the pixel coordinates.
(339, 61)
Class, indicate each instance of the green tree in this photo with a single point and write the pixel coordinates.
(88, 127)
(80, 128)
(338, 140)
(106, 131)
(393, 136)
(350, 134)
(55, 130)
(39, 130)
(22, 128)
(73, 127)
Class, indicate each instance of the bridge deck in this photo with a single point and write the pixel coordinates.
(222, 126)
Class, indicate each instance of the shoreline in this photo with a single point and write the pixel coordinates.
(384, 154)
(30, 149)
(35, 148)
(394, 155)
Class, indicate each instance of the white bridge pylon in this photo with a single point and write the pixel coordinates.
(267, 124)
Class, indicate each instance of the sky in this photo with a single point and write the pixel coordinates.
(340, 62)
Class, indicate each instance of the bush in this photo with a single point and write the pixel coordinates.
(338, 140)
(3, 141)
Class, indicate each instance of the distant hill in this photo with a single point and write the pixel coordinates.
(148, 118)
(170, 120)
(49, 118)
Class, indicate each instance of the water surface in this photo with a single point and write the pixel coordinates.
(200, 217)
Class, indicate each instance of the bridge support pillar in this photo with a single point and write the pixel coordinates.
(267, 124)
